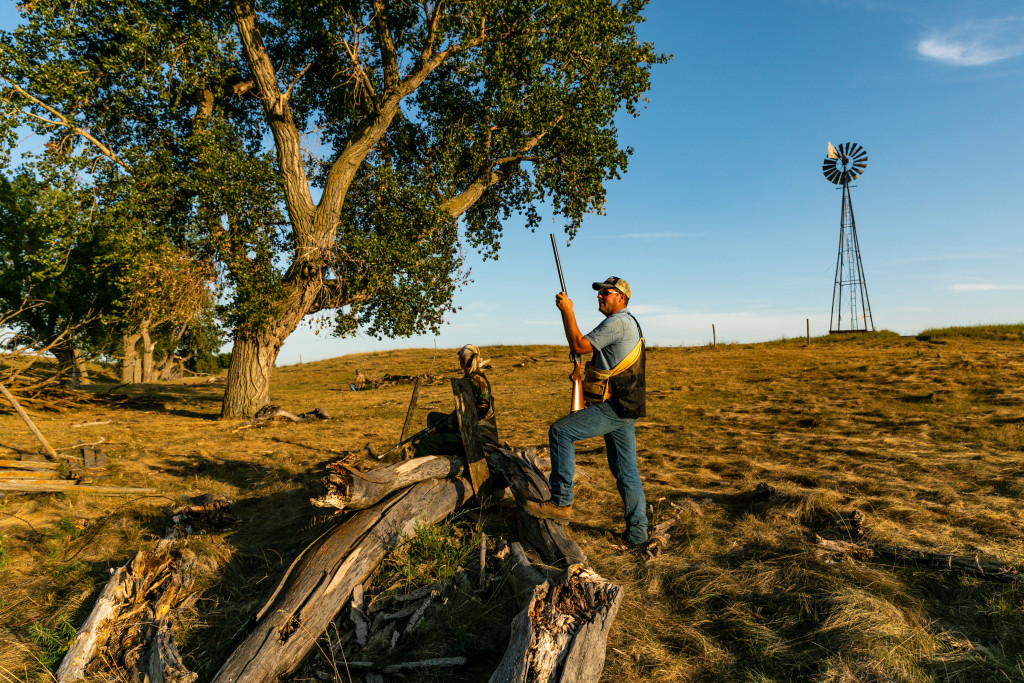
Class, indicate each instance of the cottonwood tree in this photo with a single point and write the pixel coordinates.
(48, 244)
(400, 132)
(160, 286)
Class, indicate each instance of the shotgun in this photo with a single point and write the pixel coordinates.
(418, 435)
(576, 377)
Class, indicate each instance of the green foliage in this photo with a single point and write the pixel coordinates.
(434, 552)
(47, 249)
(975, 332)
(53, 640)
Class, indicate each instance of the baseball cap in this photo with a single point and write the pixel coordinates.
(614, 283)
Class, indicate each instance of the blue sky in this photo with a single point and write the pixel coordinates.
(724, 217)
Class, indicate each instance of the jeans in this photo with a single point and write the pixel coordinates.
(620, 443)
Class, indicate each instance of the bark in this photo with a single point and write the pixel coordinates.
(129, 357)
(68, 367)
(148, 345)
(83, 374)
(350, 489)
(321, 580)
(248, 383)
(562, 634)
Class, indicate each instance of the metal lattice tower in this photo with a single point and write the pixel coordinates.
(851, 307)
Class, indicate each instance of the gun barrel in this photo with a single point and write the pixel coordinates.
(558, 264)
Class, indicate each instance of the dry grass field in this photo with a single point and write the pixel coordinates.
(924, 437)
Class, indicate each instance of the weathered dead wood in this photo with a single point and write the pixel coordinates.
(407, 451)
(130, 629)
(34, 465)
(130, 626)
(269, 413)
(321, 579)
(562, 634)
(28, 421)
(350, 489)
(527, 482)
(36, 475)
(69, 486)
(465, 410)
(831, 550)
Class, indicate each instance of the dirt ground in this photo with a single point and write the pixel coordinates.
(884, 440)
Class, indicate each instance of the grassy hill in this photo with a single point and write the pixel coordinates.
(874, 439)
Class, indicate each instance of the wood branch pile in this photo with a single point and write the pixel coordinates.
(831, 551)
(362, 382)
(129, 635)
(561, 638)
(269, 413)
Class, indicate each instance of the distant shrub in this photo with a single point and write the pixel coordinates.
(209, 363)
(855, 336)
(1013, 332)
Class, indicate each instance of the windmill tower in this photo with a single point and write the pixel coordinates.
(851, 308)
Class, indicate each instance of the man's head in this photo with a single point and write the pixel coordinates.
(612, 295)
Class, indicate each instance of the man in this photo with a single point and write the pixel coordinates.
(446, 438)
(615, 392)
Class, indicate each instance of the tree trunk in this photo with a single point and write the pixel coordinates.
(67, 367)
(248, 384)
(147, 352)
(320, 581)
(129, 357)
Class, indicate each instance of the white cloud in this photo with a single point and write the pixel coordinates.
(985, 287)
(976, 43)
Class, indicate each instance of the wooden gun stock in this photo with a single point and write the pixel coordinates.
(576, 402)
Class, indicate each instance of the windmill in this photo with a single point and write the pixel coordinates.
(851, 308)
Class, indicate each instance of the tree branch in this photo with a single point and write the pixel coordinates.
(494, 172)
(279, 118)
(66, 122)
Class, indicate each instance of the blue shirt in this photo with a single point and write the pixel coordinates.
(613, 339)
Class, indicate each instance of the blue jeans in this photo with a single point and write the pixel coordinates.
(620, 443)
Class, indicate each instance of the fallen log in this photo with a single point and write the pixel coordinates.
(563, 633)
(349, 489)
(829, 550)
(37, 465)
(320, 581)
(69, 486)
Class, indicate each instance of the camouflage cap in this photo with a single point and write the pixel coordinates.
(614, 283)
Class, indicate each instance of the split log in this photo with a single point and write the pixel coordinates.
(320, 581)
(130, 626)
(562, 634)
(350, 489)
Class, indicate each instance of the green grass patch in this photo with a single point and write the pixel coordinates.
(974, 332)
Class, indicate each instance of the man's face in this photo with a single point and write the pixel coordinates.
(609, 301)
